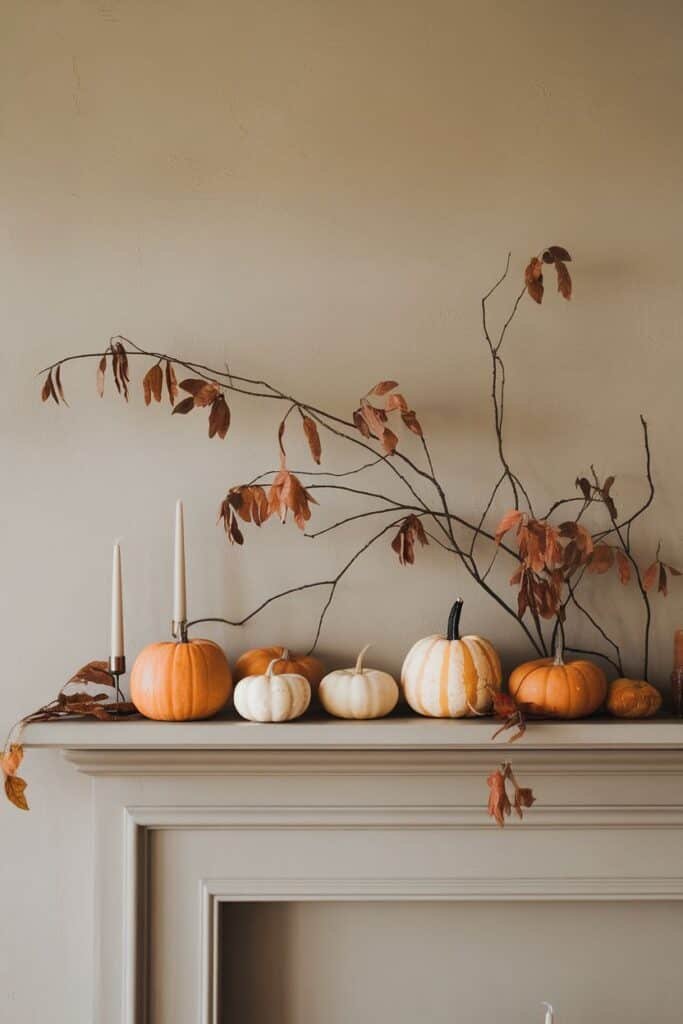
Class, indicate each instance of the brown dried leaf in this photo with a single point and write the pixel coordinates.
(204, 392)
(58, 384)
(523, 797)
(410, 531)
(508, 522)
(374, 418)
(662, 586)
(554, 253)
(499, 804)
(171, 382)
(153, 383)
(564, 281)
(94, 672)
(313, 438)
(360, 423)
(46, 390)
(584, 486)
(383, 387)
(15, 790)
(184, 407)
(396, 401)
(412, 422)
(219, 417)
(287, 494)
(623, 566)
(389, 441)
(101, 370)
(602, 559)
(533, 277)
(651, 576)
(12, 758)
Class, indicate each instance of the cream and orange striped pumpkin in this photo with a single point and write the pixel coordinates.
(451, 676)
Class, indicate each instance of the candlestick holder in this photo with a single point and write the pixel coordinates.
(179, 630)
(117, 668)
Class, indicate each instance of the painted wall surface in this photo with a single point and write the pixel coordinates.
(318, 193)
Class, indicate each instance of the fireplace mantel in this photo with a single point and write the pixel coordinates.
(190, 817)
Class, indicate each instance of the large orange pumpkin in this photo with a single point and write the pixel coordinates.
(633, 698)
(554, 688)
(256, 662)
(176, 682)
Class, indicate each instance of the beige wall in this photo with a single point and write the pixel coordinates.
(318, 192)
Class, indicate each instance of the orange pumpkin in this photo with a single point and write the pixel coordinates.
(554, 688)
(176, 682)
(633, 698)
(256, 662)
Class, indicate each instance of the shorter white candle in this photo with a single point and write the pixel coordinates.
(549, 1014)
(116, 605)
(179, 591)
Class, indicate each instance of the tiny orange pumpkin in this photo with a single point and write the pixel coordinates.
(633, 698)
(553, 688)
(256, 662)
(177, 682)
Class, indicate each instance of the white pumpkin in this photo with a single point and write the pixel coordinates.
(358, 692)
(272, 697)
(451, 676)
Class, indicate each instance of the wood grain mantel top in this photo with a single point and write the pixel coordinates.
(319, 732)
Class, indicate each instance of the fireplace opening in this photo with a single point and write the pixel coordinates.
(396, 962)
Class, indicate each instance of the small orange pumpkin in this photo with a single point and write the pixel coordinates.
(256, 662)
(633, 698)
(177, 682)
(554, 688)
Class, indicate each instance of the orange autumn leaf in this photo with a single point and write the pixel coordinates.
(313, 438)
(602, 559)
(533, 278)
(15, 790)
(564, 281)
(152, 384)
(287, 494)
(410, 531)
(12, 758)
(219, 417)
(651, 576)
(508, 522)
(383, 387)
(623, 566)
(499, 803)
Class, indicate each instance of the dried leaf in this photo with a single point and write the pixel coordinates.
(523, 798)
(554, 253)
(15, 789)
(533, 277)
(651, 576)
(313, 438)
(12, 758)
(204, 392)
(171, 383)
(564, 281)
(396, 401)
(360, 423)
(584, 486)
(412, 422)
(219, 417)
(96, 672)
(287, 494)
(623, 566)
(383, 387)
(46, 390)
(602, 559)
(153, 383)
(58, 384)
(662, 586)
(101, 370)
(508, 522)
(499, 804)
(410, 531)
(389, 441)
(375, 419)
(184, 407)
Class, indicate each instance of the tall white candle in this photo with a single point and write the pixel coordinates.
(549, 1014)
(179, 592)
(116, 606)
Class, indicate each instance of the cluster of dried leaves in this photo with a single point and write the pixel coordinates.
(372, 420)
(500, 806)
(65, 705)
(410, 531)
(555, 256)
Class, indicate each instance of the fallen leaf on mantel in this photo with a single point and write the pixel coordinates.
(96, 672)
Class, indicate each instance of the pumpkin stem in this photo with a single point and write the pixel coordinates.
(454, 621)
(359, 660)
(559, 650)
(269, 670)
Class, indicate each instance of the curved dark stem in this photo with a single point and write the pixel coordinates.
(596, 654)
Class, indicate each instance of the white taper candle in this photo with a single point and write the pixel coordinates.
(179, 591)
(116, 605)
(549, 1014)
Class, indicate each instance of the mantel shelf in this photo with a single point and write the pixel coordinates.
(398, 732)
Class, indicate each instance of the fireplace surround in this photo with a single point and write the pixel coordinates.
(192, 819)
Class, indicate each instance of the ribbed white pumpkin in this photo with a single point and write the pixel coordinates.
(272, 697)
(358, 692)
(451, 676)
